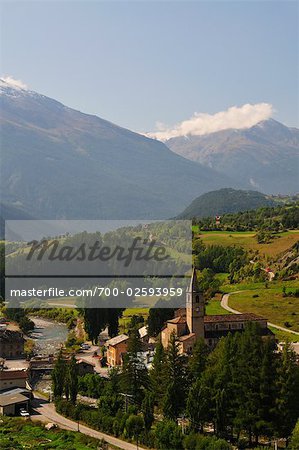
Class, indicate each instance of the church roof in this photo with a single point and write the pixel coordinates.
(247, 317)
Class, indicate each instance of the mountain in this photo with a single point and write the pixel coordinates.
(264, 156)
(60, 163)
(225, 201)
(8, 212)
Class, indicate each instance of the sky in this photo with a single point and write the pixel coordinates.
(155, 66)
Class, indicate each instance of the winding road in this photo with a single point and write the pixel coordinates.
(45, 412)
(224, 304)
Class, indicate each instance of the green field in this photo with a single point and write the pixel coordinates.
(124, 321)
(269, 303)
(284, 336)
(282, 241)
(214, 307)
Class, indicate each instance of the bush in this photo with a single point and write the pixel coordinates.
(200, 442)
(168, 436)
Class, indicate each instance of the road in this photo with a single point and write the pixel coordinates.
(45, 412)
(224, 304)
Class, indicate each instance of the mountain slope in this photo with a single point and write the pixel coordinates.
(225, 201)
(264, 156)
(61, 163)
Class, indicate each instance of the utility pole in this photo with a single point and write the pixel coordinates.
(126, 399)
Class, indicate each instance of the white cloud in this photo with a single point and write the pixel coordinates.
(17, 84)
(202, 123)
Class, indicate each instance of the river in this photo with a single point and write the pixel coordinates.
(48, 335)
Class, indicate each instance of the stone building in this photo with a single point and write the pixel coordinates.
(11, 344)
(191, 323)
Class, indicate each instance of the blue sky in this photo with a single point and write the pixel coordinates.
(136, 63)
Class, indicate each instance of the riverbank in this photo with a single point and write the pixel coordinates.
(47, 335)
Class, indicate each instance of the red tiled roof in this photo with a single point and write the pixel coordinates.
(13, 374)
(247, 317)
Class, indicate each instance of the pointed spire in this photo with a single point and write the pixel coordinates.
(194, 286)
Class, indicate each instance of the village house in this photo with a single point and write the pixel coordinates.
(11, 344)
(85, 367)
(12, 403)
(191, 323)
(10, 379)
(116, 348)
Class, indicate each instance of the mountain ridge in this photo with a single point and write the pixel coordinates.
(59, 163)
(264, 156)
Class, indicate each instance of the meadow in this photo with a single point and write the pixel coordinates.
(246, 239)
(270, 303)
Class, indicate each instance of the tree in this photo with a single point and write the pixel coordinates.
(158, 374)
(134, 375)
(294, 443)
(134, 426)
(174, 398)
(72, 379)
(157, 317)
(168, 436)
(148, 410)
(267, 389)
(198, 360)
(58, 376)
(287, 400)
(198, 404)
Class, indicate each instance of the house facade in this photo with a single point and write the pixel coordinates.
(11, 344)
(10, 379)
(116, 348)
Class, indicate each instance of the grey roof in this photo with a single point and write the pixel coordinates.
(10, 391)
(117, 339)
(10, 399)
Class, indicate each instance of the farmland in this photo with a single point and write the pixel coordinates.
(280, 243)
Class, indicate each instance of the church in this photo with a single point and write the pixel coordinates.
(191, 323)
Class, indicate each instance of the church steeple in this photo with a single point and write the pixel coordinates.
(194, 286)
(195, 307)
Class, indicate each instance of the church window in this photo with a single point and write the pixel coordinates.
(197, 298)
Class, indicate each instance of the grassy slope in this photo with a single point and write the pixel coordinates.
(271, 304)
(245, 239)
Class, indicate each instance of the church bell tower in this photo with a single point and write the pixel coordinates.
(195, 307)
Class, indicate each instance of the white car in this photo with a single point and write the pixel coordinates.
(24, 413)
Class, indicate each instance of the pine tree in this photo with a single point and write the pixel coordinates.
(198, 360)
(158, 375)
(174, 399)
(72, 379)
(58, 376)
(287, 401)
(134, 375)
(148, 410)
(198, 404)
